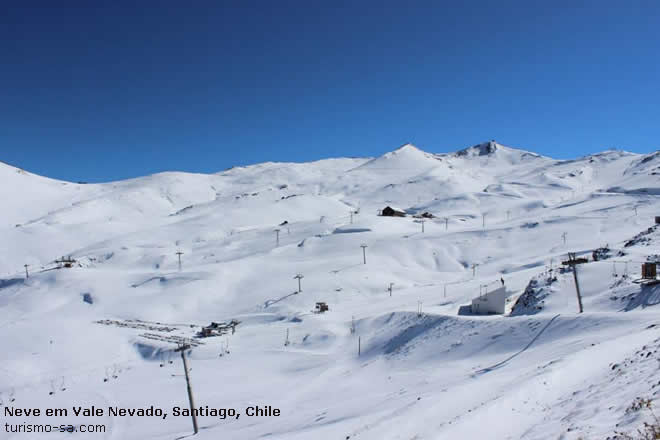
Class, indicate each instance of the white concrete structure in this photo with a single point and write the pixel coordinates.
(493, 302)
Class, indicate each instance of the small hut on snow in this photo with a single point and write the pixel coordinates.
(493, 302)
(393, 212)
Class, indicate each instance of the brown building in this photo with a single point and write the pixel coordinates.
(393, 212)
(649, 271)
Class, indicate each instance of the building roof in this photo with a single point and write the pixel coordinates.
(394, 208)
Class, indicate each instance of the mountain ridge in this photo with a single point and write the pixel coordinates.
(483, 149)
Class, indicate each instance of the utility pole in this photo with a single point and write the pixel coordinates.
(573, 262)
(359, 345)
(299, 277)
(277, 237)
(446, 223)
(423, 225)
(474, 269)
(286, 341)
(445, 289)
(364, 253)
(483, 221)
(419, 308)
(564, 237)
(179, 253)
(635, 210)
(27, 275)
(390, 288)
(183, 349)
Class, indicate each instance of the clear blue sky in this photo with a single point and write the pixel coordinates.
(97, 91)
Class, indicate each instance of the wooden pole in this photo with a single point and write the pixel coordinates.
(27, 275)
(572, 262)
(577, 288)
(359, 345)
(179, 253)
(299, 277)
(183, 349)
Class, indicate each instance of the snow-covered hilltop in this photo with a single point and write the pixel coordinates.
(102, 331)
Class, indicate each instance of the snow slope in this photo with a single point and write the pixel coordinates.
(545, 371)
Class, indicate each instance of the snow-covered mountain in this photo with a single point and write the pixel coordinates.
(544, 371)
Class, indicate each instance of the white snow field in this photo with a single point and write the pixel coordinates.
(544, 371)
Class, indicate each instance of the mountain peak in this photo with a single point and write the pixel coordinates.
(406, 147)
(482, 149)
(406, 151)
(407, 156)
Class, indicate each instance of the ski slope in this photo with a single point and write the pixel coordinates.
(543, 372)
